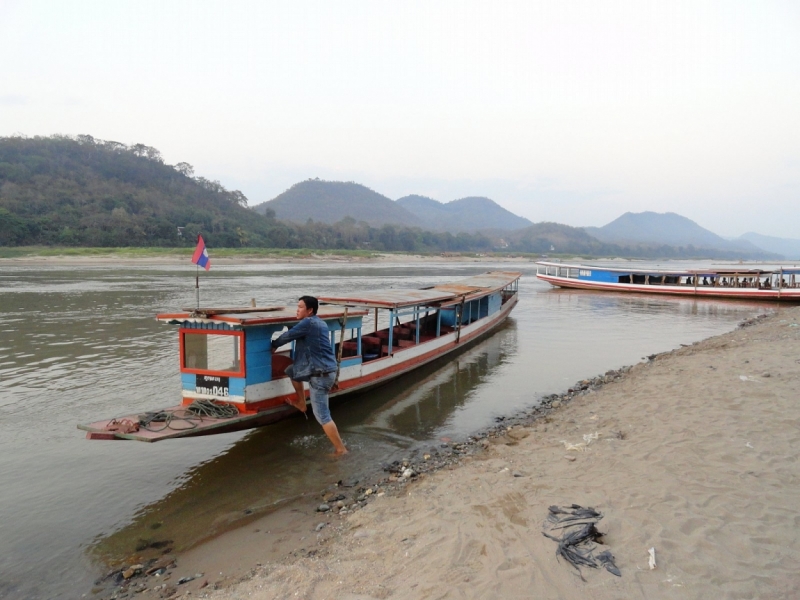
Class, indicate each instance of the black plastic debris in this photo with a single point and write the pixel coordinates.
(574, 528)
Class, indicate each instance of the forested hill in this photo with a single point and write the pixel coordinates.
(470, 214)
(81, 191)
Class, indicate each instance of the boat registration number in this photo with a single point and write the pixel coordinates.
(584, 273)
(212, 385)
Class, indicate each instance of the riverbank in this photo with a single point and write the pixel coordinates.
(692, 453)
(227, 256)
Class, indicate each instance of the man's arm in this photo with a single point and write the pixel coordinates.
(296, 332)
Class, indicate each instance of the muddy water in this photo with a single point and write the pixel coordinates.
(80, 343)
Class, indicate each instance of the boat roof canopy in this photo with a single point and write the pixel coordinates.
(443, 294)
(725, 272)
(244, 317)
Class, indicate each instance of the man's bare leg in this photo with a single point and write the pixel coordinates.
(333, 435)
(300, 402)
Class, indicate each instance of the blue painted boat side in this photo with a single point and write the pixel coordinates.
(188, 381)
(598, 275)
(258, 353)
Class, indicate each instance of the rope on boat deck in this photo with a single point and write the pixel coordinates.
(188, 418)
(209, 408)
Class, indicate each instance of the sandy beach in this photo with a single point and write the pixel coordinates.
(692, 453)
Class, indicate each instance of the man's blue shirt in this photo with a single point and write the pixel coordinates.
(312, 351)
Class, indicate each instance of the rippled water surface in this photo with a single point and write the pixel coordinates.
(81, 343)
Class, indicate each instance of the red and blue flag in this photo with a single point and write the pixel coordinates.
(200, 256)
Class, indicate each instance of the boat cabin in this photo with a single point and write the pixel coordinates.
(225, 353)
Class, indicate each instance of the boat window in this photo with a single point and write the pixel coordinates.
(204, 351)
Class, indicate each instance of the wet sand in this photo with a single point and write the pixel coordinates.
(695, 456)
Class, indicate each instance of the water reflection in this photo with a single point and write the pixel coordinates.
(442, 388)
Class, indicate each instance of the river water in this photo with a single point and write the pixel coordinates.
(79, 343)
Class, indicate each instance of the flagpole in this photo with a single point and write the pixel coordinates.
(200, 259)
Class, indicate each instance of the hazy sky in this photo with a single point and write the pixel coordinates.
(572, 111)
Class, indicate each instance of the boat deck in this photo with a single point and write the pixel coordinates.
(183, 424)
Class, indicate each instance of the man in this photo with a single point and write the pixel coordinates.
(313, 362)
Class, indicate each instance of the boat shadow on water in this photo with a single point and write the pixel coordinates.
(274, 466)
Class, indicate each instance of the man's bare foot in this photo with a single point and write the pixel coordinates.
(297, 403)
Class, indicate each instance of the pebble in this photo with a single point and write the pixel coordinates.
(408, 473)
(321, 526)
(556, 403)
(569, 458)
(323, 508)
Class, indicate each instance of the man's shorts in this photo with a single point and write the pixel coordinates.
(319, 387)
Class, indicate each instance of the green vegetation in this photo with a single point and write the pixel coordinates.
(153, 252)
(83, 192)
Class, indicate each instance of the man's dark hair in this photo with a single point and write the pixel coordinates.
(311, 303)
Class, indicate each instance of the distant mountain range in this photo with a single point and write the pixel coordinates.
(471, 214)
(645, 234)
(652, 229)
(83, 191)
(788, 248)
(331, 201)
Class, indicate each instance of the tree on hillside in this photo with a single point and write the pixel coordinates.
(84, 191)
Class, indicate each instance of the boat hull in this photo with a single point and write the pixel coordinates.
(782, 294)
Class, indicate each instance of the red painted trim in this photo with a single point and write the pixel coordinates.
(247, 408)
(184, 369)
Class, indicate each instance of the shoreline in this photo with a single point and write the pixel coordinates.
(310, 258)
(503, 478)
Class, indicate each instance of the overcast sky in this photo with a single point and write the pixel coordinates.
(573, 112)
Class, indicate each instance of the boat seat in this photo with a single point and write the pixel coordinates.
(349, 348)
(279, 364)
(403, 332)
(371, 341)
(384, 337)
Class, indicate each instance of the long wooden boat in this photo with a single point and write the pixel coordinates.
(781, 284)
(231, 380)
